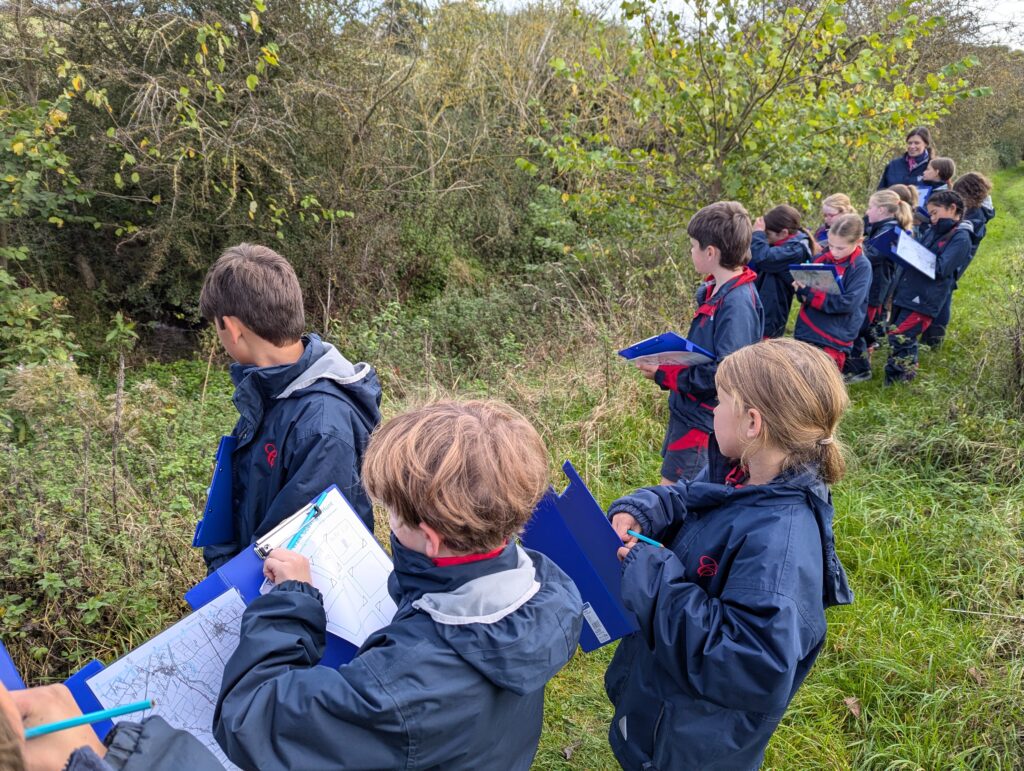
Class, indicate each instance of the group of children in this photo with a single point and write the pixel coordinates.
(730, 607)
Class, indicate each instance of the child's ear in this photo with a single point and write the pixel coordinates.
(233, 326)
(433, 541)
(752, 424)
(715, 253)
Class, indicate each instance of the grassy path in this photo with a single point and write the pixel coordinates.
(928, 522)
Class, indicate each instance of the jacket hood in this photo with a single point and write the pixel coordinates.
(514, 618)
(800, 483)
(320, 368)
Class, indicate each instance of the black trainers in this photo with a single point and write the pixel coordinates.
(856, 377)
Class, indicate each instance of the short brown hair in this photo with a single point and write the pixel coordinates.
(259, 287)
(944, 167)
(725, 225)
(800, 394)
(974, 188)
(906, 193)
(473, 471)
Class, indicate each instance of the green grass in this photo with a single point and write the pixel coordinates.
(928, 521)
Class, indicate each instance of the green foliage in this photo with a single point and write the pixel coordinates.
(725, 101)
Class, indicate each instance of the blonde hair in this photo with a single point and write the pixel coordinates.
(800, 394)
(849, 227)
(473, 471)
(840, 202)
(906, 193)
(896, 206)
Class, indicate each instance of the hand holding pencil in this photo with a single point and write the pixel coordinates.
(47, 704)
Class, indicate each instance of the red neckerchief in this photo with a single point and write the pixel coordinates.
(710, 305)
(737, 477)
(464, 559)
(781, 241)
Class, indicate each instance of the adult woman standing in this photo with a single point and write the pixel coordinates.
(909, 168)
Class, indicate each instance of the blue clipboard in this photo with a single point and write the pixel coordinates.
(218, 522)
(9, 675)
(885, 243)
(244, 572)
(84, 698)
(667, 348)
(572, 530)
(818, 275)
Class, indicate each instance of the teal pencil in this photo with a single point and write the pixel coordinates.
(92, 717)
(313, 514)
(645, 539)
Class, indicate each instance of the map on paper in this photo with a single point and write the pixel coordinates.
(822, 277)
(349, 568)
(181, 668)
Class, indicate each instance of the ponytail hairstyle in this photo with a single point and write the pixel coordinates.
(896, 206)
(924, 133)
(849, 227)
(907, 193)
(785, 217)
(944, 167)
(948, 198)
(840, 202)
(800, 394)
(974, 188)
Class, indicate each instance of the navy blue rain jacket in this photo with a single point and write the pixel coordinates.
(731, 615)
(151, 745)
(774, 281)
(979, 217)
(729, 320)
(883, 269)
(951, 242)
(455, 681)
(301, 428)
(834, 320)
(898, 171)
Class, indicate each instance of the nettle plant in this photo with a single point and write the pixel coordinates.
(739, 100)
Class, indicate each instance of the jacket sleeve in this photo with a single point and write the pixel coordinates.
(884, 181)
(217, 554)
(656, 509)
(856, 284)
(278, 709)
(955, 257)
(774, 259)
(314, 461)
(739, 650)
(734, 329)
(153, 745)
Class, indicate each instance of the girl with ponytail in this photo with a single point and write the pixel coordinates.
(780, 240)
(732, 611)
(887, 215)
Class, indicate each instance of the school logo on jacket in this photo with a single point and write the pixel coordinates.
(707, 567)
(271, 452)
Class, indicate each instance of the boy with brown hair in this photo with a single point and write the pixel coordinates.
(729, 316)
(456, 680)
(305, 412)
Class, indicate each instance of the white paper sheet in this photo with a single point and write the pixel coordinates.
(181, 668)
(349, 568)
(915, 255)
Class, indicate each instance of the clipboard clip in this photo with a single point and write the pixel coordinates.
(275, 538)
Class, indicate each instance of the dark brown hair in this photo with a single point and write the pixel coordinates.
(473, 471)
(944, 167)
(922, 132)
(259, 287)
(974, 188)
(947, 198)
(725, 225)
(800, 394)
(785, 217)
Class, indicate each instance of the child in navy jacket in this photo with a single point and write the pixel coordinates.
(456, 680)
(887, 215)
(918, 298)
(305, 412)
(732, 610)
(728, 317)
(975, 189)
(779, 241)
(831, 321)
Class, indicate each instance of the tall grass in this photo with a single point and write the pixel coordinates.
(923, 671)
